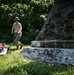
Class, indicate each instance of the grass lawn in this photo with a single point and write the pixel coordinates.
(14, 64)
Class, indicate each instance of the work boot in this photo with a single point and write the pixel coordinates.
(17, 47)
(21, 45)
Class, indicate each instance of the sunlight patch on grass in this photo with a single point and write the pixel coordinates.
(11, 59)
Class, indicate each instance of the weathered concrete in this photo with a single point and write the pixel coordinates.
(53, 43)
(60, 22)
(56, 36)
(49, 55)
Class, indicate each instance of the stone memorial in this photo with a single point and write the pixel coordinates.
(55, 41)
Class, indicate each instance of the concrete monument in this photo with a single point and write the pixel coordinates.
(55, 42)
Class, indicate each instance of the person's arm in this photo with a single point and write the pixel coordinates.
(20, 29)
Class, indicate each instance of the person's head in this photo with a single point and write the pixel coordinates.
(17, 19)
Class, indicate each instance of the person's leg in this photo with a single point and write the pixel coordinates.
(21, 45)
(17, 42)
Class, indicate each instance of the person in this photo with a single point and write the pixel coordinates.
(17, 31)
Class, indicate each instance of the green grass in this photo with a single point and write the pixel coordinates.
(14, 64)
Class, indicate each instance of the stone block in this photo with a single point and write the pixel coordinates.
(49, 55)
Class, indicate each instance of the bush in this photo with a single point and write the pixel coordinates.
(32, 14)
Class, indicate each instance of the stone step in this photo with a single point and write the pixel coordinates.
(54, 43)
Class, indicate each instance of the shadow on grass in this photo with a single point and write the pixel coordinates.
(37, 68)
(13, 49)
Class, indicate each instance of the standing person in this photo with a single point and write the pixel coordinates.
(17, 31)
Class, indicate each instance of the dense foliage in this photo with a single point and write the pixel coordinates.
(32, 13)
